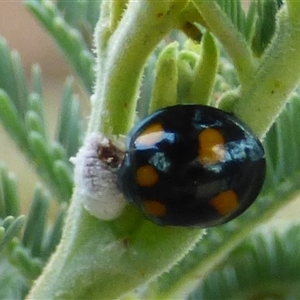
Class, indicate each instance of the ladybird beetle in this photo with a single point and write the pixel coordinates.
(192, 165)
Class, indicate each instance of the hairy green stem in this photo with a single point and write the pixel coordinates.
(143, 25)
(228, 35)
(95, 257)
(263, 99)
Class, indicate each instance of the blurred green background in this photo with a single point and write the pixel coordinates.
(24, 34)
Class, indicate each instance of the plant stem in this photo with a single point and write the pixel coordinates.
(94, 257)
(263, 99)
(117, 85)
(232, 40)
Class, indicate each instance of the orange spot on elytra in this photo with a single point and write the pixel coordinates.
(211, 146)
(150, 135)
(146, 176)
(154, 208)
(225, 202)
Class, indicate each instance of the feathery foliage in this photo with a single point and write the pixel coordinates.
(22, 115)
(266, 265)
(27, 243)
(71, 25)
(227, 69)
(24, 242)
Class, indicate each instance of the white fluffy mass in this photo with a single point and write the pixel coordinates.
(95, 181)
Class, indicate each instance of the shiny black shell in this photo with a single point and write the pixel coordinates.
(192, 165)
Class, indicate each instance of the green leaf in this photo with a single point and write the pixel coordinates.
(36, 108)
(165, 86)
(28, 266)
(185, 76)
(12, 78)
(276, 76)
(37, 82)
(250, 21)
(147, 87)
(234, 12)
(11, 222)
(68, 38)
(34, 123)
(7, 222)
(41, 155)
(8, 194)
(265, 25)
(26, 259)
(70, 130)
(271, 259)
(52, 165)
(13, 284)
(11, 231)
(23, 118)
(58, 152)
(221, 25)
(81, 14)
(54, 233)
(205, 71)
(64, 179)
(11, 121)
(36, 223)
(187, 61)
